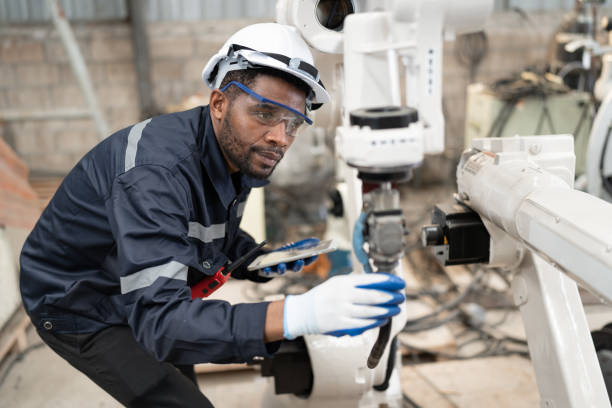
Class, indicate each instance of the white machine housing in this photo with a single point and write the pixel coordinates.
(378, 37)
(540, 227)
(524, 186)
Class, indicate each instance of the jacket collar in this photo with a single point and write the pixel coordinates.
(216, 167)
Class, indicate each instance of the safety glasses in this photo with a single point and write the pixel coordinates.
(271, 113)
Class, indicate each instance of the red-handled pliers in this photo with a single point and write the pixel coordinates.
(209, 284)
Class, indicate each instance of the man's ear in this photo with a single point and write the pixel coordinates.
(218, 105)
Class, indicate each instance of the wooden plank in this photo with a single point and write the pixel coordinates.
(500, 382)
(11, 160)
(421, 391)
(16, 338)
(18, 201)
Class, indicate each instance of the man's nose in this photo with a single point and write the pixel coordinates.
(277, 135)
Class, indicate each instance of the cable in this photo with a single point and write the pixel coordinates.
(505, 337)
(490, 351)
(545, 114)
(506, 113)
(453, 303)
(523, 14)
(502, 320)
(432, 325)
(408, 402)
(18, 358)
(569, 68)
(499, 123)
(494, 344)
(511, 90)
(583, 115)
(379, 346)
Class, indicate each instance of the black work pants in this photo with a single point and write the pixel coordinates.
(116, 362)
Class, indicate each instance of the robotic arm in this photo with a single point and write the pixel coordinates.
(387, 46)
(521, 189)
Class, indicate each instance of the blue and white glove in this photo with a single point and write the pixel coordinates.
(295, 266)
(344, 305)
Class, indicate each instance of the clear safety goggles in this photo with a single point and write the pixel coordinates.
(271, 113)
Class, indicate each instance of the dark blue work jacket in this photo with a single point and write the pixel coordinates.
(149, 210)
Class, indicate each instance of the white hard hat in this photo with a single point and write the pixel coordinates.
(268, 45)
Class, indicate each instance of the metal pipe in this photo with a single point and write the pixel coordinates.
(142, 58)
(78, 67)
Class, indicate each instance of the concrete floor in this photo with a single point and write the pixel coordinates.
(44, 380)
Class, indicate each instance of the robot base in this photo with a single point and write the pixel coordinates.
(341, 378)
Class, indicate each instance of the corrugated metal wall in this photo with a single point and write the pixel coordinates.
(31, 11)
(160, 10)
(26, 11)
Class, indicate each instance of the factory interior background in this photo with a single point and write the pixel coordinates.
(145, 58)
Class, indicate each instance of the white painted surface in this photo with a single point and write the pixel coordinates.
(254, 217)
(9, 287)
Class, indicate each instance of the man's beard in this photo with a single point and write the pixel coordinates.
(241, 156)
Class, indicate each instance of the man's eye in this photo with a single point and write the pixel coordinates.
(264, 116)
(293, 126)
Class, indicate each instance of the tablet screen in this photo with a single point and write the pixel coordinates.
(274, 258)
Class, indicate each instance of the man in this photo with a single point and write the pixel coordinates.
(155, 208)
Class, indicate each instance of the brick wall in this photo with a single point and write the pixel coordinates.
(35, 74)
(41, 79)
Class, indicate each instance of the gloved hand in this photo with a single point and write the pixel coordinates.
(345, 304)
(295, 266)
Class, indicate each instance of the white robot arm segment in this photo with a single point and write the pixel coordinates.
(504, 183)
(538, 226)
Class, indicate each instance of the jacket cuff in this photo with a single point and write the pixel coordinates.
(249, 325)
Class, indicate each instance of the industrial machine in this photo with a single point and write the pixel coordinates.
(576, 51)
(529, 105)
(535, 105)
(517, 209)
(599, 150)
(387, 46)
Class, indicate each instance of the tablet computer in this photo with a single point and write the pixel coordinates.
(274, 258)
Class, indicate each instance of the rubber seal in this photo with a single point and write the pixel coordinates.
(385, 117)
